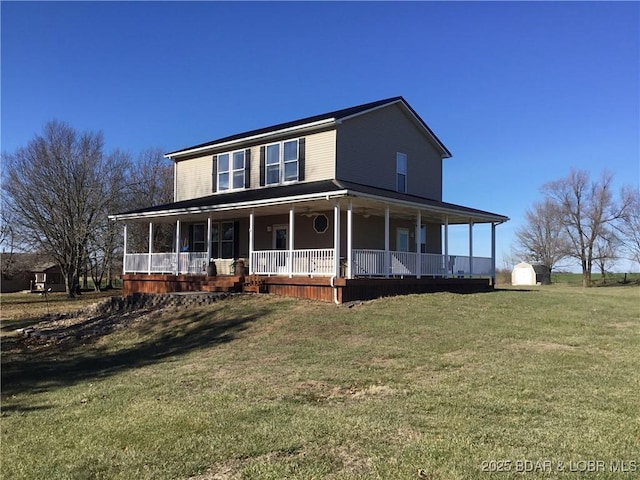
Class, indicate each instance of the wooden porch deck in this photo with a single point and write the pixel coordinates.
(316, 288)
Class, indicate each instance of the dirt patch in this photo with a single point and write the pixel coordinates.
(544, 346)
(107, 316)
(346, 459)
(232, 469)
(320, 392)
(623, 325)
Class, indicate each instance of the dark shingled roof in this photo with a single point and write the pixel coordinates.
(338, 114)
(305, 188)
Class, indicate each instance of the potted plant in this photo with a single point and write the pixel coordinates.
(212, 271)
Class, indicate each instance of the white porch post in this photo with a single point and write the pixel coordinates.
(350, 239)
(251, 230)
(336, 238)
(208, 240)
(291, 239)
(177, 269)
(471, 248)
(446, 246)
(124, 254)
(418, 244)
(386, 241)
(150, 244)
(493, 254)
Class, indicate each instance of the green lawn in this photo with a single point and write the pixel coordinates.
(262, 387)
(611, 279)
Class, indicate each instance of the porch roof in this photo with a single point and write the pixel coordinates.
(314, 196)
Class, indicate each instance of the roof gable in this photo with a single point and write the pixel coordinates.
(337, 116)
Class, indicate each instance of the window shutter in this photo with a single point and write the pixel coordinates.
(236, 239)
(214, 183)
(301, 159)
(247, 168)
(262, 166)
(190, 240)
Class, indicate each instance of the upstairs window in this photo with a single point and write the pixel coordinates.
(231, 170)
(282, 162)
(401, 172)
(273, 164)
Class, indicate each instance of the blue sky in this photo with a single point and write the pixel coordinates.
(519, 92)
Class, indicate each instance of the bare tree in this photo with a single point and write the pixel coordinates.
(542, 238)
(55, 192)
(7, 238)
(587, 210)
(606, 251)
(105, 237)
(151, 180)
(628, 226)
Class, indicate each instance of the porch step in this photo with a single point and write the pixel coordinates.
(221, 284)
(254, 284)
(222, 288)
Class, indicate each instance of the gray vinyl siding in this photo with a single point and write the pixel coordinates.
(367, 147)
(304, 237)
(368, 233)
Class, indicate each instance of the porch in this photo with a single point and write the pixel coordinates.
(362, 263)
(331, 240)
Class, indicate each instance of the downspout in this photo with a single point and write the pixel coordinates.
(332, 282)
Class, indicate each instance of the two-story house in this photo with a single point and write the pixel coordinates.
(338, 206)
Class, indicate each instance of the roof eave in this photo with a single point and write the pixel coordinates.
(304, 128)
(480, 216)
(229, 206)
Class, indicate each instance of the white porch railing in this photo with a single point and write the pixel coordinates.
(314, 261)
(183, 263)
(377, 263)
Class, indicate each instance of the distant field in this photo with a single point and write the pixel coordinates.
(436, 386)
(596, 278)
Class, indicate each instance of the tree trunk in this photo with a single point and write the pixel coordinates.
(70, 282)
(586, 278)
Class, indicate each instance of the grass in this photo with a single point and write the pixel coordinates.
(262, 387)
(611, 279)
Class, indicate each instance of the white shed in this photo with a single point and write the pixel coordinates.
(527, 274)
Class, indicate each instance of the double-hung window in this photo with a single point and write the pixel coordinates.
(198, 238)
(273, 163)
(231, 170)
(282, 162)
(222, 240)
(401, 172)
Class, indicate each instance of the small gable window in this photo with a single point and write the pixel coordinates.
(401, 172)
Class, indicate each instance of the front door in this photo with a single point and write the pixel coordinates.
(280, 237)
(402, 240)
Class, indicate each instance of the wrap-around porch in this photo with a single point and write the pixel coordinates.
(341, 260)
(337, 236)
